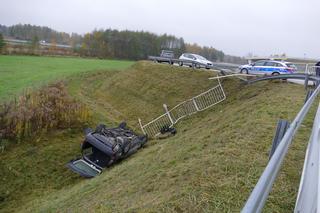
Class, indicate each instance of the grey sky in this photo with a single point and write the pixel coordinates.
(262, 27)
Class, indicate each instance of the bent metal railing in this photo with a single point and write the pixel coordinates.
(308, 194)
(261, 191)
(308, 199)
(198, 103)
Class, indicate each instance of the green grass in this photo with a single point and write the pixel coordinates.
(20, 72)
(211, 165)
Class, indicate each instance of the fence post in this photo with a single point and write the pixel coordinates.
(168, 113)
(224, 94)
(141, 126)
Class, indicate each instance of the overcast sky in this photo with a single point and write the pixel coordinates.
(237, 27)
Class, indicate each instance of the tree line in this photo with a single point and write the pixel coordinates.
(207, 52)
(109, 43)
(128, 44)
(29, 32)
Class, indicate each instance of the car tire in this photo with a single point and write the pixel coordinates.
(275, 73)
(244, 71)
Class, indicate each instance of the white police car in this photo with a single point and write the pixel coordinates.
(268, 67)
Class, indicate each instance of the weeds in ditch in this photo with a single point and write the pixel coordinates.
(39, 111)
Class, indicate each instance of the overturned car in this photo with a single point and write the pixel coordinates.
(105, 146)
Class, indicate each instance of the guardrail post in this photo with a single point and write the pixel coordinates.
(307, 70)
(317, 72)
(168, 113)
(282, 127)
(309, 93)
(306, 81)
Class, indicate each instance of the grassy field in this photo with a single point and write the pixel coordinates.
(211, 165)
(20, 72)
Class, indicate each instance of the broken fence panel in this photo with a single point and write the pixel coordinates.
(198, 103)
(183, 109)
(154, 127)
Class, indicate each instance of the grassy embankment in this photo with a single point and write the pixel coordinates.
(210, 165)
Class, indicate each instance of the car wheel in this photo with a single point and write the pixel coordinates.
(244, 71)
(275, 73)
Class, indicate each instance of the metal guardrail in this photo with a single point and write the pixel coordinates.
(233, 75)
(198, 103)
(286, 76)
(262, 189)
(311, 70)
(308, 194)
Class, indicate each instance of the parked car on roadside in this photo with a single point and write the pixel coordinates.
(198, 61)
(166, 56)
(268, 67)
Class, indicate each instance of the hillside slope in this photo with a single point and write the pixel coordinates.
(210, 165)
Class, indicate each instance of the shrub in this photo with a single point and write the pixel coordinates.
(39, 111)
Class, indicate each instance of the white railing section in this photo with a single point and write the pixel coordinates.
(184, 109)
(198, 103)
